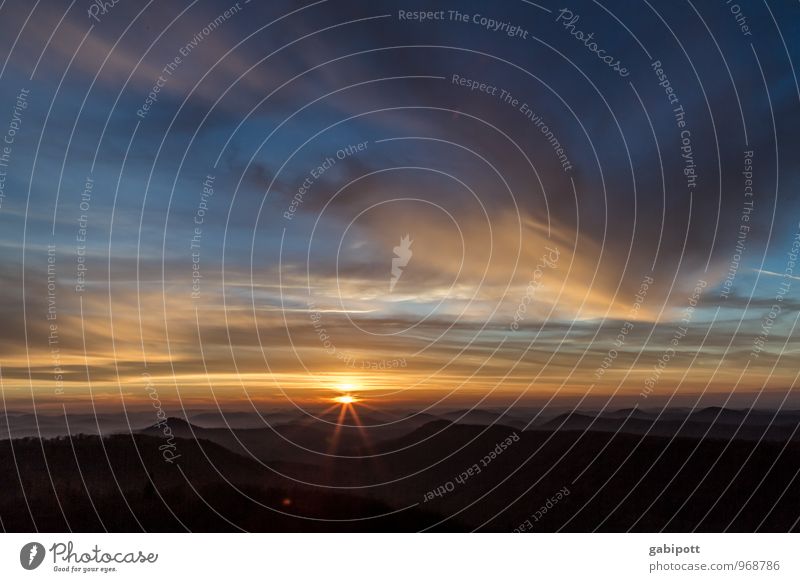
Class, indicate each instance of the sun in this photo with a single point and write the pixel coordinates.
(346, 392)
(345, 399)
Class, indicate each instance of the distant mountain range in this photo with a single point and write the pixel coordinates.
(712, 423)
(305, 475)
(717, 422)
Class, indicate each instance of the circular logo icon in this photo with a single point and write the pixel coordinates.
(31, 555)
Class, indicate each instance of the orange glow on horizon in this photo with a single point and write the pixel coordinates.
(346, 399)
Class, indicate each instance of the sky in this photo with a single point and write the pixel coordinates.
(270, 204)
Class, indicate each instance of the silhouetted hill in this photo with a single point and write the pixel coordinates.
(122, 483)
(617, 482)
(217, 419)
(484, 417)
(706, 423)
(489, 477)
(302, 441)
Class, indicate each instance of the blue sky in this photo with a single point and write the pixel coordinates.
(272, 91)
